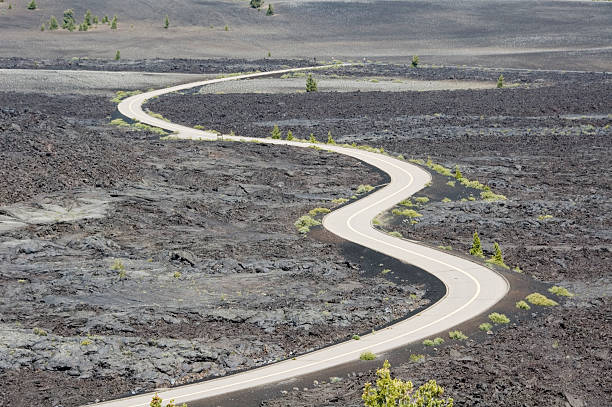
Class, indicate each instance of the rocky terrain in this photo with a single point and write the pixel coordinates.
(129, 263)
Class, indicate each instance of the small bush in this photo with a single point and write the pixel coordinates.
(395, 392)
(498, 318)
(446, 200)
(316, 211)
(289, 135)
(395, 234)
(53, 24)
(560, 291)
(39, 332)
(415, 61)
(491, 196)
(117, 56)
(304, 223)
(385, 271)
(416, 358)
(339, 201)
(32, 5)
(367, 355)
(539, 299)
(177, 274)
(362, 189)
(522, 305)
(166, 22)
(255, 3)
(544, 217)
(476, 249)
(69, 21)
(410, 213)
(312, 138)
(276, 133)
(356, 337)
(458, 335)
(497, 257)
(311, 84)
(85, 342)
(421, 200)
(330, 139)
(500, 81)
(485, 326)
(88, 18)
(407, 202)
(114, 23)
(435, 342)
(270, 11)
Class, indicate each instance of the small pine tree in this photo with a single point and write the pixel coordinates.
(415, 61)
(289, 135)
(87, 19)
(270, 11)
(166, 22)
(32, 5)
(330, 139)
(500, 81)
(68, 21)
(53, 25)
(497, 257)
(83, 27)
(458, 174)
(95, 20)
(312, 138)
(117, 56)
(255, 3)
(311, 84)
(226, 28)
(276, 133)
(114, 23)
(105, 20)
(476, 249)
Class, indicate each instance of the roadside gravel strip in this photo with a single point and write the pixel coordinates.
(471, 288)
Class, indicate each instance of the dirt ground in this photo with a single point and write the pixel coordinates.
(544, 145)
(512, 33)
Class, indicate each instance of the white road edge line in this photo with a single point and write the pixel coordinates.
(465, 281)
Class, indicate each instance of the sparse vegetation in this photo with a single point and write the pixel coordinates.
(560, 291)
(367, 355)
(289, 135)
(39, 331)
(276, 133)
(311, 84)
(339, 201)
(122, 94)
(270, 11)
(476, 249)
(458, 174)
(356, 337)
(166, 22)
(497, 257)
(330, 139)
(255, 3)
(114, 23)
(317, 211)
(409, 213)
(312, 138)
(304, 223)
(498, 318)
(32, 5)
(433, 342)
(395, 392)
(544, 217)
(491, 196)
(177, 274)
(362, 189)
(446, 200)
(415, 61)
(416, 358)
(523, 305)
(457, 335)
(53, 24)
(541, 300)
(485, 326)
(117, 56)
(157, 401)
(500, 81)
(85, 342)
(395, 234)
(421, 200)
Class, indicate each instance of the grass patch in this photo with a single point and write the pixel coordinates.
(451, 183)
(410, 213)
(122, 94)
(85, 342)
(416, 358)
(560, 291)
(407, 202)
(491, 196)
(433, 342)
(522, 305)
(355, 337)
(421, 200)
(362, 189)
(39, 332)
(544, 217)
(395, 234)
(541, 300)
(457, 335)
(120, 123)
(498, 318)
(446, 200)
(367, 355)
(157, 116)
(317, 211)
(339, 201)
(485, 326)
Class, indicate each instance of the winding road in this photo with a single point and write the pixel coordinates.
(471, 289)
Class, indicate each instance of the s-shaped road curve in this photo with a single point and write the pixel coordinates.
(471, 289)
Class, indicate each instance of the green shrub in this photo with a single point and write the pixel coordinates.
(105, 20)
(356, 337)
(289, 135)
(415, 61)
(156, 401)
(416, 358)
(117, 56)
(421, 200)
(435, 342)
(410, 213)
(544, 217)
(498, 318)
(95, 19)
(395, 234)
(32, 5)
(500, 81)
(276, 133)
(270, 11)
(386, 271)
(316, 211)
(445, 200)
(522, 305)
(114, 23)
(311, 84)
(39, 331)
(68, 21)
(166, 22)
(339, 201)
(518, 270)
(53, 24)
(312, 138)
(497, 257)
(458, 174)
(395, 392)
(177, 274)
(362, 189)
(485, 326)
(458, 335)
(87, 19)
(491, 196)
(304, 223)
(85, 342)
(542, 300)
(407, 202)
(560, 291)
(255, 3)
(330, 139)
(476, 249)
(367, 355)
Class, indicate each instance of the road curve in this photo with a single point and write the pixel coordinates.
(471, 289)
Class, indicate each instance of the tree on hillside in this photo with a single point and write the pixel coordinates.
(53, 25)
(114, 23)
(276, 133)
(500, 81)
(32, 5)
(415, 61)
(270, 11)
(311, 84)
(68, 21)
(87, 18)
(476, 249)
